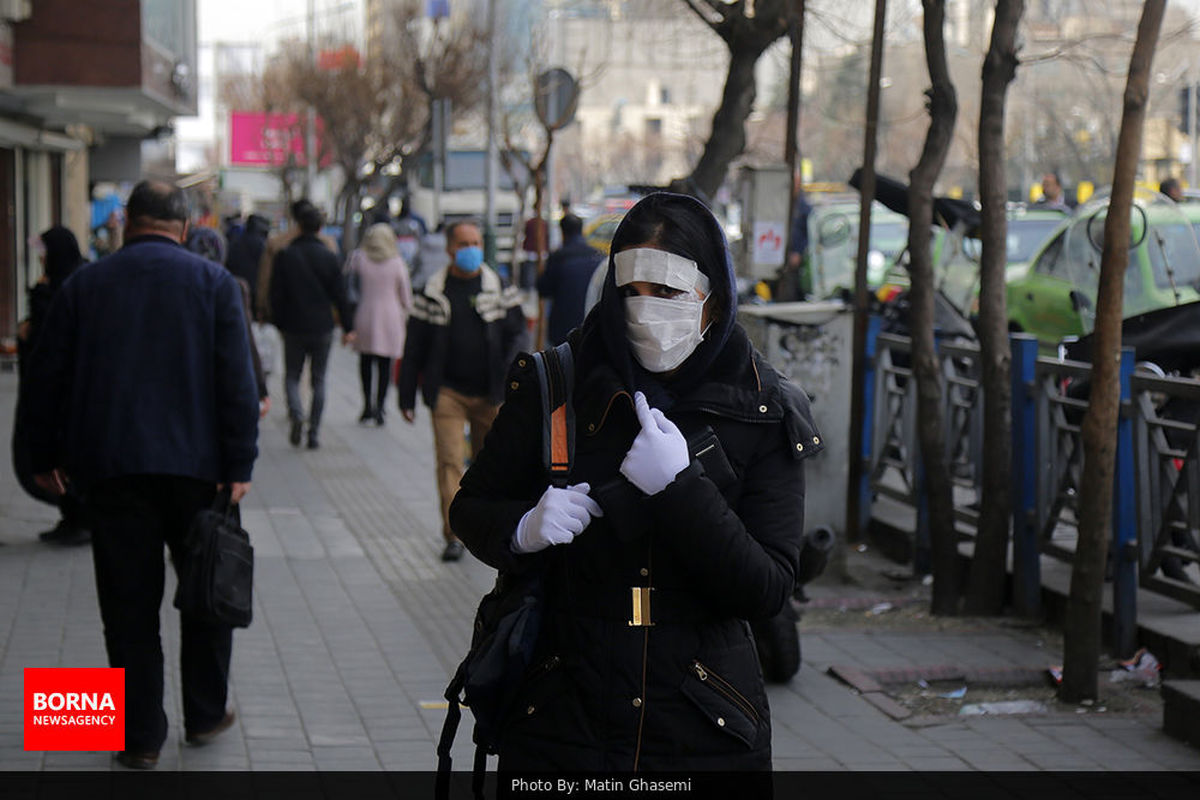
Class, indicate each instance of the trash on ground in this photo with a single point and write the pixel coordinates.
(879, 608)
(862, 548)
(924, 684)
(1004, 707)
(1143, 668)
(1087, 701)
(927, 580)
(1055, 674)
(957, 694)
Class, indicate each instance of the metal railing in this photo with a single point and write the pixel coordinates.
(1156, 537)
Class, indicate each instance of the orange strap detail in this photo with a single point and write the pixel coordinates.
(559, 461)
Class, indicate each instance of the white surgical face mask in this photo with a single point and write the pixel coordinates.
(663, 332)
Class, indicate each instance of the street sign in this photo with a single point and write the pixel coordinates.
(555, 97)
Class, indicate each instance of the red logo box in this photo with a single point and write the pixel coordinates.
(74, 709)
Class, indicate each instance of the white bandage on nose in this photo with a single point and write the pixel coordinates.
(659, 266)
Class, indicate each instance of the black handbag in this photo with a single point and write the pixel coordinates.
(216, 576)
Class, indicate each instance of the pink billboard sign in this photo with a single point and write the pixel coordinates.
(258, 139)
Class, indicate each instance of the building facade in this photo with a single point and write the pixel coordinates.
(87, 94)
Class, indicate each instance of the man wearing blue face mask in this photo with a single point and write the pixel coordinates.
(464, 330)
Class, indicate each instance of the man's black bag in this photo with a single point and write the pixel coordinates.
(216, 577)
(509, 616)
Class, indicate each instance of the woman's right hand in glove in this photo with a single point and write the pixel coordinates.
(559, 516)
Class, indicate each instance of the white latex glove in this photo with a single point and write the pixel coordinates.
(659, 452)
(559, 516)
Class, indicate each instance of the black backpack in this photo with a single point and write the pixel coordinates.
(509, 617)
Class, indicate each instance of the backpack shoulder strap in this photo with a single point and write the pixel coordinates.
(556, 379)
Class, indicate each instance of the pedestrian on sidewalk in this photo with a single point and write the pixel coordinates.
(464, 329)
(245, 252)
(682, 520)
(143, 395)
(565, 281)
(210, 244)
(384, 301)
(60, 255)
(306, 283)
(273, 247)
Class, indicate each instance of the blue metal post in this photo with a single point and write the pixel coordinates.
(1027, 568)
(1124, 539)
(874, 322)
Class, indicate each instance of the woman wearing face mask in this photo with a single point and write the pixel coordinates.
(683, 519)
(60, 254)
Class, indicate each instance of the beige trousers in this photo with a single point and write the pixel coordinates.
(451, 414)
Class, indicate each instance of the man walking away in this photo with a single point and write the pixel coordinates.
(464, 329)
(306, 282)
(143, 395)
(246, 249)
(274, 245)
(565, 281)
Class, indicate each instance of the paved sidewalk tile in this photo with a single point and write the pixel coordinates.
(358, 626)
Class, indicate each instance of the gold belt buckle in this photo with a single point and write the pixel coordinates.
(641, 607)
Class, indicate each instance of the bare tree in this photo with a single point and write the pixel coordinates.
(931, 428)
(351, 97)
(446, 59)
(1082, 627)
(748, 29)
(985, 593)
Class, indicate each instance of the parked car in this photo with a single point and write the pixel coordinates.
(833, 245)
(599, 231)
(1056, 298)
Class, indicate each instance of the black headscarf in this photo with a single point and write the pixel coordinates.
(683, 225)
(62, 255)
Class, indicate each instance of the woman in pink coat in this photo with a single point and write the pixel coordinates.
(384, 300)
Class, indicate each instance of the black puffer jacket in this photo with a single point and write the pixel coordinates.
(718, 546)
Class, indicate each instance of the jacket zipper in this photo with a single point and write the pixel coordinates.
(725, 688)
(546, 666)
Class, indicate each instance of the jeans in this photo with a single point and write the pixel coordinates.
(296, 348)
(132, 518)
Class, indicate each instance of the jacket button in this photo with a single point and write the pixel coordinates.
(644, 572)
(721, 721)
(513, 385)
(800, 446)
(591, 426)
(520, 362)
(816, 440)
(763, 409)
(530, 710)
(637, 702)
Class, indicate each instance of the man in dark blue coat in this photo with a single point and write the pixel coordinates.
(142, 394)
(565, 281)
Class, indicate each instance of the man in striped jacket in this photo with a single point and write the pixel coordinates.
(464, 330)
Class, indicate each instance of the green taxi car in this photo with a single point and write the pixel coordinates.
(1056, 296)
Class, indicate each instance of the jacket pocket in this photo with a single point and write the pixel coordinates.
(727, 708)
(540, 686)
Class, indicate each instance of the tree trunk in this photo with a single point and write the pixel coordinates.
(985, 590)
(1082, 628)
(862, 305)
(349, 203)
(943, 109)
(728, 137)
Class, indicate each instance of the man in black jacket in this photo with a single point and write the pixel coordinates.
(565, 281)
(464, 330)
(306, 283)
(142, 394)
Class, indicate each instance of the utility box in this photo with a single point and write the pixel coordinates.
(810, 344)
(764, 193)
